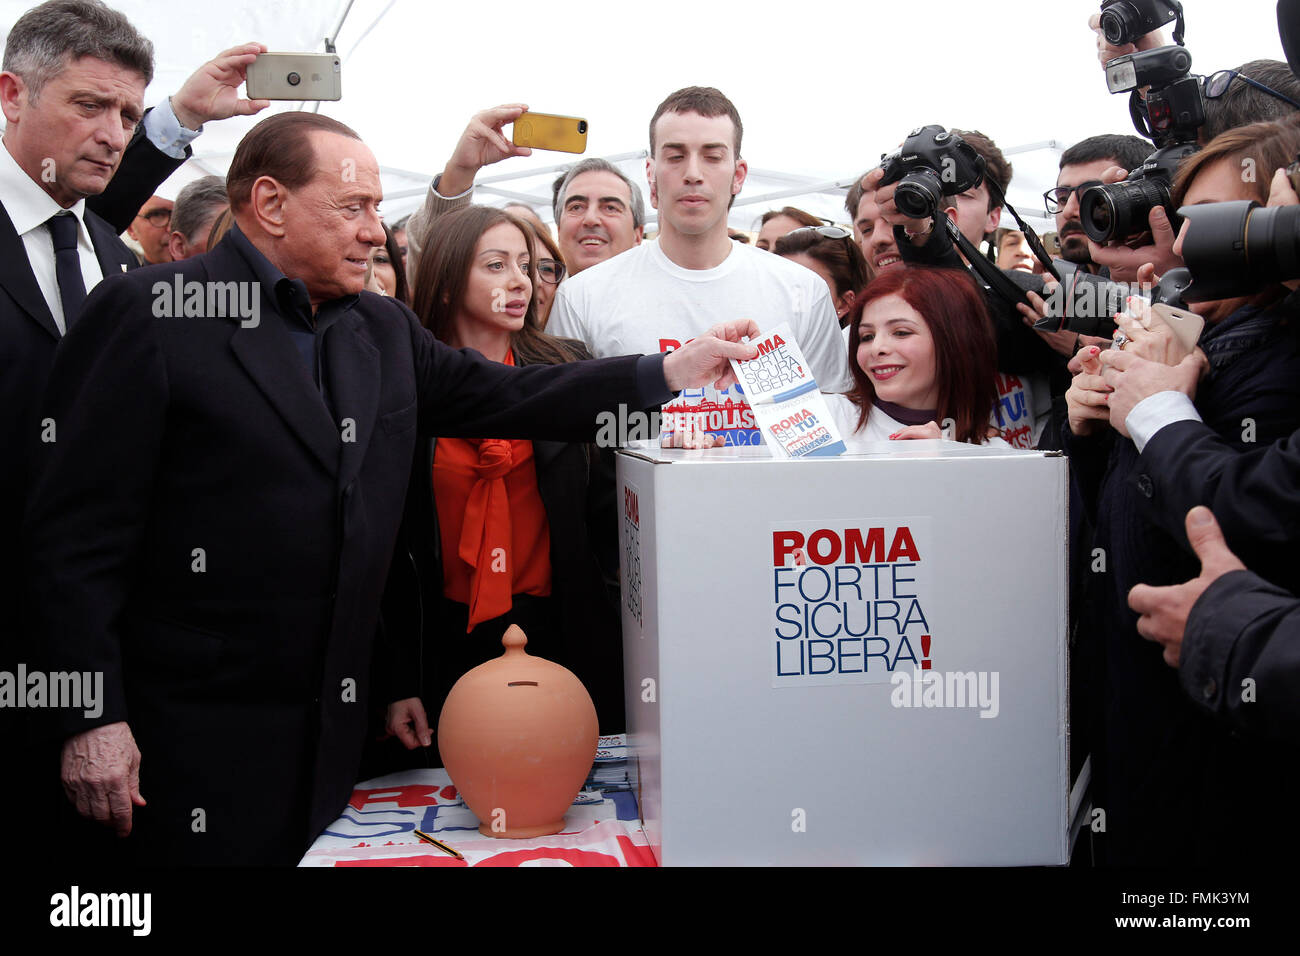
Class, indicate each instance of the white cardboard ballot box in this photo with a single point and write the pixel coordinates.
(856, 660)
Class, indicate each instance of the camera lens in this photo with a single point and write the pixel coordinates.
(1118, 23)
(1236, 248)
(294, 79)
(1097, 214)
(1087, 304)
(582, 126)
(919, 194)
(1121, 210)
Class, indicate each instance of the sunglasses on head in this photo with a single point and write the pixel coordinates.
(826, 232)
(1217, 84)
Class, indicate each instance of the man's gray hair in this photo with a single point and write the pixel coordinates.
(197, 205)
(49, 37)
(597, 165)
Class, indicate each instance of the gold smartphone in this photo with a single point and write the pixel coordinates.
(295, 76)
(565, 134)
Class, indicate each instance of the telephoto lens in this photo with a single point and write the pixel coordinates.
(1238, 248)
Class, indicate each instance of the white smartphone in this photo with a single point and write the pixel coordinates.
(295, 76)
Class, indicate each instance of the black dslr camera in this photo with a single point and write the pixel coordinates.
(1171, 115)
(1120, 210)
(931, 163)
(1084, 303)
(1087, 304)
(1125, 21)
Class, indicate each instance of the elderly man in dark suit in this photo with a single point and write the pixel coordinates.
(213, 527)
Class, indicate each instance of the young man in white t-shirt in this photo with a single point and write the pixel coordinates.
(659, 295)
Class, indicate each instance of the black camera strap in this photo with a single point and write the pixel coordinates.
(990, 273)
(1031, 237)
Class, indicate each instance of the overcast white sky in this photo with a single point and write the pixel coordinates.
(823, 86)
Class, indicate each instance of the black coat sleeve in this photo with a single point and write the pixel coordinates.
(1253, 494)
(461, 394)
(1240, 658)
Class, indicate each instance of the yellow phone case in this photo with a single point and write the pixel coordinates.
(565, 134)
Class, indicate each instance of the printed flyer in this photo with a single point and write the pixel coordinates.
(788, 408)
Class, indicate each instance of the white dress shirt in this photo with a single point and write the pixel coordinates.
(1155, 412)
(29, 208)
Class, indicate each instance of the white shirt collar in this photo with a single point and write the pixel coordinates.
(28, 205)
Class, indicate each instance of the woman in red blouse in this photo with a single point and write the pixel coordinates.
(498, 531)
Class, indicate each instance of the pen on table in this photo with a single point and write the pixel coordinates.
(438, 843)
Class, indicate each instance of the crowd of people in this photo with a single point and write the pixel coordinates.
(283, 530)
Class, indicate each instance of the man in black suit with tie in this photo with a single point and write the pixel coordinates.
(213, 527)
(72, 92)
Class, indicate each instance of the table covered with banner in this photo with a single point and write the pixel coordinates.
(602, 828)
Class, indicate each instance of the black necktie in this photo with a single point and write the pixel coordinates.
(67, 266)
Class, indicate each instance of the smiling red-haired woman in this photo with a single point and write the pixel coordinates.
(923, 358)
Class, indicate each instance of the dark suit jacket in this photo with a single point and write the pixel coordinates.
(1244, 628)
(1254, 494)
(208, 536)
(28, 339)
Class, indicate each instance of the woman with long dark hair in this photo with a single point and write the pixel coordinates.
(496, 531)
(830, 252)
(923, 358)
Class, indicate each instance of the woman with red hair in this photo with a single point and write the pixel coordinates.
(923, 359)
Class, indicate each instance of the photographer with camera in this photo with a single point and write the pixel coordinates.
(1221, 629)
(948, 200)
(1082, 167)
(1162, 769)
(1129, 221)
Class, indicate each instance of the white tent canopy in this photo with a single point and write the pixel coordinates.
(822, 93)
